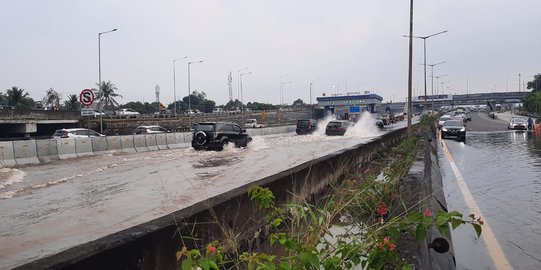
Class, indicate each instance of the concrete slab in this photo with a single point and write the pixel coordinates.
(47, 150)
(114, 143)
(140, 144)
(66, 148)
(25, 152)
(83, 147)
(161, 141)
(7, 154)
(99, 145)
(128, 144)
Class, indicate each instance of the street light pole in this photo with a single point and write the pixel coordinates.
(189, 90)
(424, 38)
(241, 94)
(432, 77)
(238, 86)
(99, 75)
(175, 83)
(282, 91)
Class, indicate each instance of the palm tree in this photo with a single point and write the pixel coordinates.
(106, 95)
(52, 99)
(72, 104)
(19, 99)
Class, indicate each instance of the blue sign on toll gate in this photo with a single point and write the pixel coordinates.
(354, 109)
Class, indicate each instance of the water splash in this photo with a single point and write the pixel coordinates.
(10, 176)
(322, 124)
(365, 127)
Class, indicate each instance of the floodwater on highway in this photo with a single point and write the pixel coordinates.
(503, 173)
(54, 206)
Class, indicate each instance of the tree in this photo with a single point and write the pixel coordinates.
(206, 106)
(193, 100)
(3, 99)
(535, 84)
(181, 106)
(106, 94)
(72, 104)
(298, 102)
(17, 98)
(52, 99)
(533, 102)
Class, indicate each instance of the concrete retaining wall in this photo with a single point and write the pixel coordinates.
(47, 150)
(153, 245)
(422, 189)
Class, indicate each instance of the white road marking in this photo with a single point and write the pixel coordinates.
(493, 246)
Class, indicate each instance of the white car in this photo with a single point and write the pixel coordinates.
(128, 113)
(75, 133)
(252, 123)
(442, 120)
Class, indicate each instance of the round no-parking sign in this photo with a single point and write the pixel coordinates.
(86, 97)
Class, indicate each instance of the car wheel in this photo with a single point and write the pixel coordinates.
(222, 145)
(200, 138)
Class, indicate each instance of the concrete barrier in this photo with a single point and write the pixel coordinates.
(7, 154)
(66, 148)
(187, 137)
(179, 137)
(25, 152)
(161, 141)
(99, 145)
(47, 150)
(140, 144)
(83, 147)
(171, 141)
(114, 143)
(254, 132)
(128, 144)
(150, 140)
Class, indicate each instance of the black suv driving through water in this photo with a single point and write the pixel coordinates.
(214, 135)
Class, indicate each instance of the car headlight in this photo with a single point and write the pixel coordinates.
(463, 129)
(444, 129)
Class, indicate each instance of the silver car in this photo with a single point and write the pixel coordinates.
(149, 130)
(517, 123)
(75, 133)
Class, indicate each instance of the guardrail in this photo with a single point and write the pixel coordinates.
(14, 153)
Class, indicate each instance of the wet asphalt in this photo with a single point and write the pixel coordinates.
(502, 169)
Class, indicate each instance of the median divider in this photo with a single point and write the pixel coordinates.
(66, 148)
(171, 141)
(150, 140)
(25, 152)
(140, 144)
(187, 137)
(83, 147)
(47, 150)
(179, 137)
(99, 145)
(7, 154)
(114, 143)
(161, 141)
(128, 144)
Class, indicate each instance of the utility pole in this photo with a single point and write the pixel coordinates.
(410, 71)
(230, 85)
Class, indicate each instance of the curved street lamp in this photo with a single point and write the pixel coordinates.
(99, 73)
(175, 83)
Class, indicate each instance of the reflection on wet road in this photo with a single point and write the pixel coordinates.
(51, 207)
(502, 169)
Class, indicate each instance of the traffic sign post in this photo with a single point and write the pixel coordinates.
(87, 98)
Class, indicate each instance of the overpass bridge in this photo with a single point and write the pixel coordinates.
(476, 99)
(26, 123)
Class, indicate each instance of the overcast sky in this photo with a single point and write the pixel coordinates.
(342, 45)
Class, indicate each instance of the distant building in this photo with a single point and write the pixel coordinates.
(351, 105)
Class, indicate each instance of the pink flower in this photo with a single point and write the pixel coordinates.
(211, 249)
(427, 213)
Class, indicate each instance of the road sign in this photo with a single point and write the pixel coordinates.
(86, 98)
(87, 112)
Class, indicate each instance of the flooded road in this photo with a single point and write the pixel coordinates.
(502, 170)
(51, 207)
